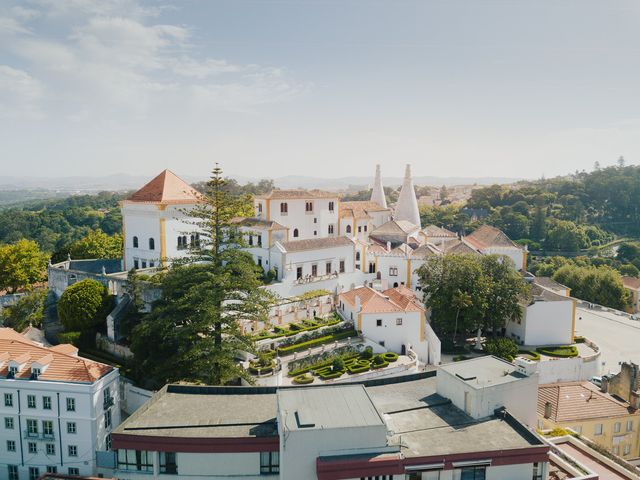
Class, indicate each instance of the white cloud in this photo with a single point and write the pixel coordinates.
(19, 93)
(113, 58)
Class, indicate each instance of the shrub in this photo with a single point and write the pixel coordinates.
(69, 337)
(338, 364)
(535, 356)
(315, 342)
(378, 359)
(501, 347)
(578, 339)
(332, 375)
(84, 305)
(567, 351)
(303, 379)
(380, 365)
(367, 353)
(390, 356)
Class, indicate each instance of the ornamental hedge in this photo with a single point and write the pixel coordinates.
(567, 351)
(303, 379)
(297, 347)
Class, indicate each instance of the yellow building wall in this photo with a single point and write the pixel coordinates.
(608, 439)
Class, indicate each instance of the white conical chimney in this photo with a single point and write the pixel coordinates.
(377, 194)
(407, 206)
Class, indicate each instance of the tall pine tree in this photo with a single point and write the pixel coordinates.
(193, 332)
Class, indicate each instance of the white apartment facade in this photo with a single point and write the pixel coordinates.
(56, 409)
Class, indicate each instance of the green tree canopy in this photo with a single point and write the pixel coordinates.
(193, 332)
(501, 347)
(28, 311)
(601, 285)
(97, 244)
(84, 305)
(467, 292)
(21, 265)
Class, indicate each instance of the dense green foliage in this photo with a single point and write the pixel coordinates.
(84, 305)
(601, 285)
(501, 347)
(567, 351)
(28, 311)
(564, 214)
(467, 292)
(21, 265)
(96, 244)
(55, 223)
(193, 331)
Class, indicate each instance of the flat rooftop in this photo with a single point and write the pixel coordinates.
(332, 407)
(425, 424)
(418, 420)
(213, 412)
(481, 372)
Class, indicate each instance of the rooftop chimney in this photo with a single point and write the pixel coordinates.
(407, 206)
(377, 194)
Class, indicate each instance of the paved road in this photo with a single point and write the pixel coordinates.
(617, 337)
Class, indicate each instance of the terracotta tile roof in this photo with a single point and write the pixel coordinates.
(631, 282)
(61, 366)
(426, 250)
(487, 236)
(573, 401)
(459, 247)
(296, 194)
(66, 348)
(360, 209)
(392, 300)
(315, 244)
(395, 227)
(376, 248)
(167, 187)
(439, 232)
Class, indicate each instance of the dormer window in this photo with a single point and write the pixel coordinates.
(13, 371)
(35, 372)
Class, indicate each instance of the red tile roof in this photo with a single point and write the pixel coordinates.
(393, 300)
(296, 194)
(166, 188)
(573, 401)
(487, 236)
(359, 209)
(61, 366)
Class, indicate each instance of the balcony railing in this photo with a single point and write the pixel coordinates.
(27, 435)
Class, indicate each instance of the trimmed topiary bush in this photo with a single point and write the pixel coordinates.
(380, 365)
(303, 379)
(367, 353)
(567, 351)
(390, 356)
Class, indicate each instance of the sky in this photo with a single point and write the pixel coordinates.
(327, 88)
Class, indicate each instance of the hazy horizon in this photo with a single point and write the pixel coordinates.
(321, 88)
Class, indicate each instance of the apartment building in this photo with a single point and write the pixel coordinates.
(56, 409)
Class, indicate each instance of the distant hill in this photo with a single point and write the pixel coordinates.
(124, 182)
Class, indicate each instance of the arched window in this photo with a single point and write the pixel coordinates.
(152, 244)
(357, 256)
(197, 239)
(180, 246)
(184, 241)
(135, 242)
(330, 229)
(348, 228)
(295, 233)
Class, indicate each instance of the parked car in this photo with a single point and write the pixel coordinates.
(596, 381)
